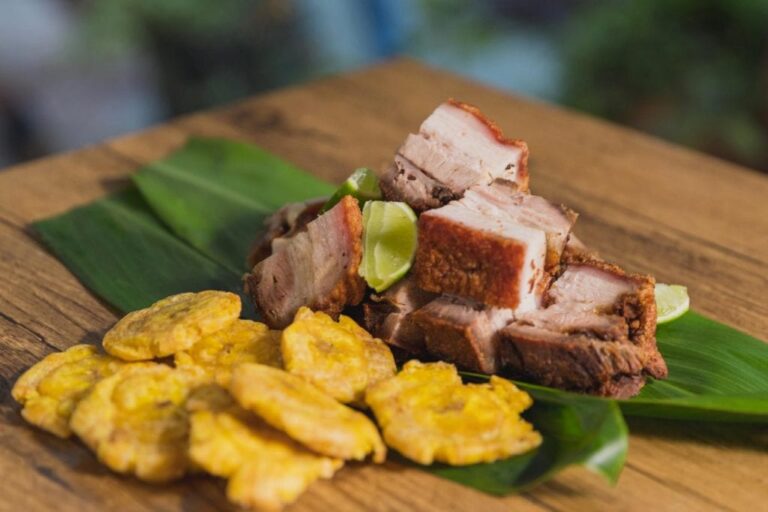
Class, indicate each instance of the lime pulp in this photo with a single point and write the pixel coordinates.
(672, 302)
(389, 242)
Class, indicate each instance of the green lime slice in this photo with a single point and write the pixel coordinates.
(671, 302)
(363, 185)
(389, 242)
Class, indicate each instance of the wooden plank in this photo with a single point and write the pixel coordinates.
(644, 203)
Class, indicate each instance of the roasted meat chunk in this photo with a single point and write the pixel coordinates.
(405, 182)
(456, 148)
(282, 225)
(463, 332)
(389, 316)
(597, 333)
(317, 268)
(495, 246)
(575, 362)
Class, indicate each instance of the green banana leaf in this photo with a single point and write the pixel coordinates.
(216, 193)
(716, 373)
(576, 430)
(122, 253)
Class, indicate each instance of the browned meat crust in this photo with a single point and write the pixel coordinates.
(389, 316)
(462, 261)
(638, 309)
(610, 361)
(572, 362)
(317, 268)
(463, 332)
(498, 134)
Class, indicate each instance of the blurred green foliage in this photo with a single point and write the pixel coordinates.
(205, 52)
(692, 71)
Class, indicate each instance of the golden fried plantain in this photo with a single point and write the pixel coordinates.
(316, 420)
(340, 358)
(171, 324)
(136, 422)
(266, 469)
(50, 389)
(242, 342)
(427, 414)
(381, 362)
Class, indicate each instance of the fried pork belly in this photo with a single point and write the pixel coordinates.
(389, 316)
(456, 148)
(317, 268)
(463, 332)
(494, 246)
(405, 182)
(596, 335)
(527, 210)
(281, 226)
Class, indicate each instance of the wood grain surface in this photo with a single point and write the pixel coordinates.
(648, 205)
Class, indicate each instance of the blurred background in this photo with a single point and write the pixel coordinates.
(74, 72)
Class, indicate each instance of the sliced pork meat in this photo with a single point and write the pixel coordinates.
(463, 332)
(597, 333)
(456, 148)
(527, 210)
(317, 268)
(494, 245)
(282, 225)
(405, 182)
(389, 316)
(605, 288)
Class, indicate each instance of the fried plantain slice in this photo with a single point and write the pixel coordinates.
(243, 341)
(428, 415)
(381, 362)
(340, 358)
(50, 389)
(266, 469)
(316, 420)
(171, 324)
(136, 422)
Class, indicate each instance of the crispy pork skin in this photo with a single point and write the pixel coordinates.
(282, 225)
(463, 332)
(317, 268)
(464, 253)
(456, 148)
(494, 245)
(502, 201)
(389, 316)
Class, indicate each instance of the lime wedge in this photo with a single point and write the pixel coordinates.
(389, 242)
(671, 302)
(363, 185)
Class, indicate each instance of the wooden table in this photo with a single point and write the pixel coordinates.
(649, 205)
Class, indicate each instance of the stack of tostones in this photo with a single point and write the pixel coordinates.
(313, 418)
(170, 325)
(340, 358)
(136, 422)
(229, 408)
(427, 414)
(265, 468)
(243, 341)
(50, 389)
